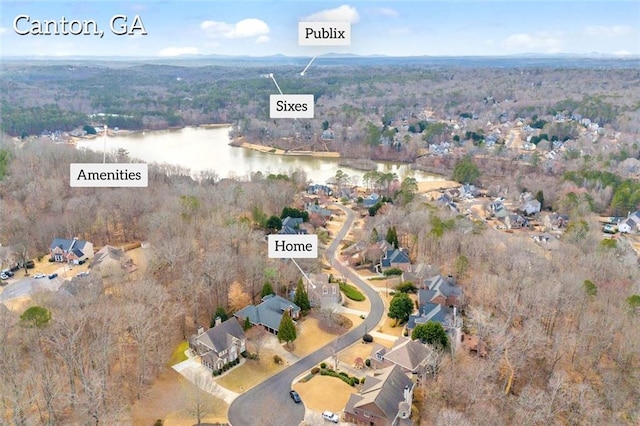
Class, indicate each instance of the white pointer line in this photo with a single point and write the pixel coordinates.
(308, 65)
(274, 80)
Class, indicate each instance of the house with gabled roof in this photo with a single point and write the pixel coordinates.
(630, 224)
(219, 345)
(414, 357)
(323, 293)
(291, 226)
(385, 399)
(71, 250)
(395, 258)
(268, 314)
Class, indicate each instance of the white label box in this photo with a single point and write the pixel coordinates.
(108, 175)
(324, 33)
(291, 106)
(302, 246)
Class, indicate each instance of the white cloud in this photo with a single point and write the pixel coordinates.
(247, 28)
(611, 31)
(549, 42)
(385, 11)
(343, 13)
(399, 31)
(2, 30)
(178, 51)
(622, 53)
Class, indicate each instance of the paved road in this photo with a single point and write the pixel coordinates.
(269, 402)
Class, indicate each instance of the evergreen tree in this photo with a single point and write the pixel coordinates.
(287, 329)
(392, 236)
(302, 298)
(267, 289)
(466, 171)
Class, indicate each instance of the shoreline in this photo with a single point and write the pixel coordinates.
(239, 142)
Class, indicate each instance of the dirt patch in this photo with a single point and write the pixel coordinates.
(324, 393)
(435, 185)
(168, 400)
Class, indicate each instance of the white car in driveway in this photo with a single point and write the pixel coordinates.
(39, 276)
(332, 417)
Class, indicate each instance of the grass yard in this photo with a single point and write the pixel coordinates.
(250, 373)
(168, 399)
(324, 393)
(310, 337)
(178, 353)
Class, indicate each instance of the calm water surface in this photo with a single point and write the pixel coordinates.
(200, 149)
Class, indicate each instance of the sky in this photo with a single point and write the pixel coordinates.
(260, 28)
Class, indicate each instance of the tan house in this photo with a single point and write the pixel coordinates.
(323, 293)
(385, 399)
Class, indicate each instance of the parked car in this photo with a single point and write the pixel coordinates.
(332, 417)
(7, 272)
(39, 276)
(82, 274)
(52, 276)
(294, 395)
(4, 277)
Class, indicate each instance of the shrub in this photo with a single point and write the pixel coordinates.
(351, 292)
(323, 365)
(343, 374)
(367, 338)
(158, 422)
(362, 380)
(244, 354)
(407, 287)
(355, 380)
(315, 370)
(277, 359)
(352, 381)
(367, 362)
(392, 271)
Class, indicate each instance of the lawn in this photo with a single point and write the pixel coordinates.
(324, 393)
(168, 399)
(250, 373)
(310, 337)
(178, 353)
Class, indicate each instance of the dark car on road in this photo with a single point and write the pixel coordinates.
(52, 276)
(294, 395)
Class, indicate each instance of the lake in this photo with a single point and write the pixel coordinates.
(200, 149)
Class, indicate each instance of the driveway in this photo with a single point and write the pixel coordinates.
(28, 286)
(201, 376)
(269, 402)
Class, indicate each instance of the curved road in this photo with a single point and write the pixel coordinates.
(269, 403)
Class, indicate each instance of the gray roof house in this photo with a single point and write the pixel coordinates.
(219, 345)
(268, 314)
(395, 258)
(384, 400)
(323, 293)
(291, 226)
(412, 356)
(70, 250)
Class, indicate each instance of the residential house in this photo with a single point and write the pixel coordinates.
(530, 207)
(394, 258)
(630, 224)
(322, 292)
(268, 314)
(412, 356)
(371, 200)
(438, 300)
(110, 259)
(291, 226)
(316, 188)
(515, 221)
(497, 209)
(385, 399)
(71, 250)
(313, 208)
(219, 345)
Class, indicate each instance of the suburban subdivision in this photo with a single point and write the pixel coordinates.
(353, 214)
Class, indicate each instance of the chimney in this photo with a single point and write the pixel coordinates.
(217, 321)
(451, 280)
(199, 330)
